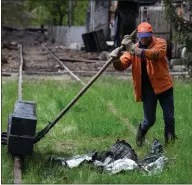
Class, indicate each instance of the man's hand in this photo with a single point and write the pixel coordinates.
(127, 42)
(130, 46)
(137, 51)
(115, 53)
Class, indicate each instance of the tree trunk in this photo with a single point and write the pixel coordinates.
(54, 21)
(60, 19)
(69, 13)
(61, 15)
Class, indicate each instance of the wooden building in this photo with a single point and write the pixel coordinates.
(118, 18)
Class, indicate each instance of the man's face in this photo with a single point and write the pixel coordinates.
(145, 41)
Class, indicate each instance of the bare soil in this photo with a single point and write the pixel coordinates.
(37, 59)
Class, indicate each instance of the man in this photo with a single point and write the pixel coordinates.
(151, 79)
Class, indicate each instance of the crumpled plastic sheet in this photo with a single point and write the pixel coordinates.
(77, 160)
(152, 164)
(116, 166)
(119, 165)
(74, 161)
(106, 162)
(157, 166)
(156, 147)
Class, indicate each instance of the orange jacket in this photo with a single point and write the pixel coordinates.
(156, 64)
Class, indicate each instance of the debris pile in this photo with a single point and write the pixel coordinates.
(26, 38)
(120, 157)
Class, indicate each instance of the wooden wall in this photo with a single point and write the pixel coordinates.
(65, 35)
(161, 28)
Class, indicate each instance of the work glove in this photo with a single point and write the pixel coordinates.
(127, 43)
(115, 53)
(130, 46)
(137, 51)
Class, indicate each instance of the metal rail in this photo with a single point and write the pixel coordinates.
(18, 160)
(20, 74)
(17, 170)
(64, 66)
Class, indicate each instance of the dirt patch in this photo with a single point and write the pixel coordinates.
(26, 38)
(13, 60)
(36, 58)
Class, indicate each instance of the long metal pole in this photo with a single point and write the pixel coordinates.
(86, 87)
(82, 92)
(48, 127)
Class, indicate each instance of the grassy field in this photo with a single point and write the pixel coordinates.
(92, 124)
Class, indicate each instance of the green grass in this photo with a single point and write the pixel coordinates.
(90, 124)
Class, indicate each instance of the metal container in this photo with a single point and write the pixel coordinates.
(94, 41)
(21, 128)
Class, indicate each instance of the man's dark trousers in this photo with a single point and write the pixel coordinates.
(166, 101)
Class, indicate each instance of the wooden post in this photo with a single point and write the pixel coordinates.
(69, 13)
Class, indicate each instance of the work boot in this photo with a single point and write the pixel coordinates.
(169, 134)
(140, 137)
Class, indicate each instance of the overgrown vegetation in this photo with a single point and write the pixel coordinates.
(91, 124)
(37, 12)
(14, 13)
(182, 29)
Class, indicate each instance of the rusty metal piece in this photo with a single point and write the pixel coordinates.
(20, 74)
(18, 170)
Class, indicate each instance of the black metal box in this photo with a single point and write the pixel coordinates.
(20, 145)
(21, 128)
(24, 119)
(94, 41)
